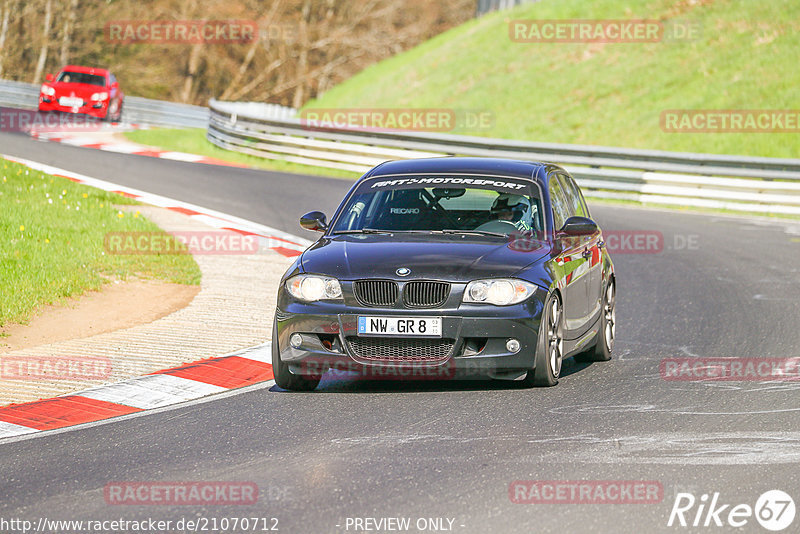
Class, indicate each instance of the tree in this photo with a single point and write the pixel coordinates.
(48, 15)
(66, 32)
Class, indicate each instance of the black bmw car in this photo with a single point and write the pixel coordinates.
(448, 267)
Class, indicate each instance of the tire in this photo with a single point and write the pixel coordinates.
(601, 352)
(550, 349)
(118, 116)
(108, 117)
(283, 378)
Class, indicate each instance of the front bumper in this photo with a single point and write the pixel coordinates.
(472, 345)
(98, 109)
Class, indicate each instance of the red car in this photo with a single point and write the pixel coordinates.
(84, 90)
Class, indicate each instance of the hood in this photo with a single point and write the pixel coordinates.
(456, 258)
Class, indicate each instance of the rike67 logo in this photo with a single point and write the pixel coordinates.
(774, 510)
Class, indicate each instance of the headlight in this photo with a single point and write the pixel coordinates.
(100, 96)
(48, 91)
(498, 291)
(310, 288)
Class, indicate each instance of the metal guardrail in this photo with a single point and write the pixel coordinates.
(134, 110)
(487, 6)
(740, 183)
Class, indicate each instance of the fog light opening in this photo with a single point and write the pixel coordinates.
(512, 345)
(296, 341)
(474, 345)
(330, 342)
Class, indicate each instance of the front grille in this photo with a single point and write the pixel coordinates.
(425, 294)
(400, 349)
(376, 292)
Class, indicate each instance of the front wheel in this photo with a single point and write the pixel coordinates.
(601, 352)
(283, 378)
(118, 115)
(550, 349)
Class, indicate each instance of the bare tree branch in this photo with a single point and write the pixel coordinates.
(48, 14)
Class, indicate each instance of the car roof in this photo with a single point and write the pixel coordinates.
(87, 70)
(461, 165)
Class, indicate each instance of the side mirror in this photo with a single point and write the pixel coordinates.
(49, 77)
(314, 221)
(578, 226)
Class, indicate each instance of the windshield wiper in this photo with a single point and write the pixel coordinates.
(363, 231)
(446, 231)
(475, 232)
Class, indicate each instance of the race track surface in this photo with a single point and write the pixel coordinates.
(721, 287)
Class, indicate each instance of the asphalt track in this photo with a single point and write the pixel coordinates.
(721, 287)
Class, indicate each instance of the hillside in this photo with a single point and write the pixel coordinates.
(602, 93)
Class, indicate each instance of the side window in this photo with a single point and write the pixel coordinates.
(575, 203)
(558, 203)
(582, 200)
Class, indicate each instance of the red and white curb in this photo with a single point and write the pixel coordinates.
(87, 140)
(269, 238)
(163, 388)
(156, 390)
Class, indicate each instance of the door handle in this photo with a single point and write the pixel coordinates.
(587, 254)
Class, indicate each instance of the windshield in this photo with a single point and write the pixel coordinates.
(434, 204)
(81, 77)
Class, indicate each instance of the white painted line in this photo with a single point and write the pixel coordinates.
(115, 420)
(216, 222)
(122, 148)
(181, 156)
(151, 391)
(10, 429)
(79, 141)
(261, 353)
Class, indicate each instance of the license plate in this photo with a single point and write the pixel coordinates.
(70, 102)
(400, 326)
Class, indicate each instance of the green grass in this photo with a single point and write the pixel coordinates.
(601, 94)
(193, 141)
(688, 209)
(52, 242)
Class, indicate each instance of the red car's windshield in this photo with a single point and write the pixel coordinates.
(81, 77)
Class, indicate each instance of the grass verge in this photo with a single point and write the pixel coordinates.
(193, 141)
(610, 94)
(52, 242)
(687, 209)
